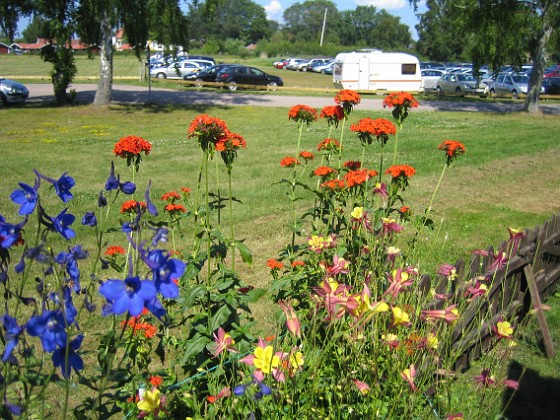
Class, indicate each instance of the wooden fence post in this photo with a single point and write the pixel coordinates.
(537, 306)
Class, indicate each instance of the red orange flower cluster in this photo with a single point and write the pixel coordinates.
(333, 114)
(274, 264)
(302, 114)
(289, 162)
(306, 155)
(324, 171)
(171, 196)
(352, 165)
(207, 129)
(368, 129)
(347, 99)
(401, 171)
(137, 326)
(132, 206)
(452, 149)
(175, 208)
(156, 380)
(358, 177)
(132, 146)
(333, 184)
(401, 102)
(330, 145)
(114, 250)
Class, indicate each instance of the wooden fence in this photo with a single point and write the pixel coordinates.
(527, 272)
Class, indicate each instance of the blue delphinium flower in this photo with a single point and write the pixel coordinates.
(112, 182)
(9, 233)
(26, 198)
(50, 327)
(13, 331)
(61, 185)
(160, 235)
(102, 200)
(72, 361)
(128, 295)
(151, 207)
(127, 187)
(89, 219)
(62, 222)
(165, 270)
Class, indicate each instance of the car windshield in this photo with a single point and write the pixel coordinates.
(520, 79)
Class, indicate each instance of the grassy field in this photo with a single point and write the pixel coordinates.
(508, 177)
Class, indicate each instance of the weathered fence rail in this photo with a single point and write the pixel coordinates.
(508, 297)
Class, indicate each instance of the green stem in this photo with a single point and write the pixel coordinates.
(395, 148)
(232, 240)
(429, 209)
(341, 140)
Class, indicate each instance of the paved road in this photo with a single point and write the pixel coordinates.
(141, 95)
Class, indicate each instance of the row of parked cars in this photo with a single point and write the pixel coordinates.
(460, 81)
(317, 65)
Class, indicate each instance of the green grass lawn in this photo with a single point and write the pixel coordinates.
(509, 175)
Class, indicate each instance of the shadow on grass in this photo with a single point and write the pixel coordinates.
(538, 397)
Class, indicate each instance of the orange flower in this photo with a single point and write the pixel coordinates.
(347, 99)
(333, 114)
(452, 148)
(298, 264)
(358, 177)
(274, 264)
(306, 155)
(400, 99)
(155, 380)
(397, 171)
(231, 142)
(324, 171)
(368, 128)
(302, 113)
(208, 130)
(132, 146)
(289, 162)
(131, 206)
(333, 184)
(175, 208)
(330, 145)
(114, 250)
(170, 196)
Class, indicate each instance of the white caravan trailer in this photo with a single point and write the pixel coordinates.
(377, 70)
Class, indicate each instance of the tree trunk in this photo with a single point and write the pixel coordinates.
(105, 84)
(539, 61)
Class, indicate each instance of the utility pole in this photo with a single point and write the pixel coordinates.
(323, 30)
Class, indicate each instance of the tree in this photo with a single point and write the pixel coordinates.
(37, 28)
(10, 13)
(304, 21)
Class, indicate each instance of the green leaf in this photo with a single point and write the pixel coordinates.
(189, 297)
(253, 295)
(219, 317)
(245, 253)
(193, 347)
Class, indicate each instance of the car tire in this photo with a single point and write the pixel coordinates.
(232, 86)
(161, 76)
(3, 99)
(272, 86)
(493, 93)
(323, 72)
(458, 92)
(514, 94)
(198, 83)
(439, 91)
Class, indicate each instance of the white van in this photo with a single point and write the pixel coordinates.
(376, 70)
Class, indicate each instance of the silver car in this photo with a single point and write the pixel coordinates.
(12, 92)
(176, 70)
(513, 84)
(460, 84)
(430, 77)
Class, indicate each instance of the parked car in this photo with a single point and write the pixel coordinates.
(176, 70)
(510, 84)
(328, 69)
(319, 67)
(306, 66)
(280, 64)
(551, 85)
(460, 84)
(207, 74)
(424, 65)
(231, 76)
(430, 78)
(12, 92)
(552, 73)
(294, 64)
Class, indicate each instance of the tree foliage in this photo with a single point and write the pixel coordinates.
(10, 13)
(37, 28)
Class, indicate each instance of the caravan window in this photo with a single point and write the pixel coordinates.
(408, 69)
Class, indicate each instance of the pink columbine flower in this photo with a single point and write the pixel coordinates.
(479, 289)
(485, 379)
(500, 261)
(265, 361)
(334, 296)
(340, 266)
(409, 375)
(390, 226)
(511, 383)
(448, 270)
(398, 280)
(362, 386)
(458, 416)
(292, 321)
(223, 341)
(449, 314)
(381, 190)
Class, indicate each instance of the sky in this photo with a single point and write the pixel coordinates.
(400, 8)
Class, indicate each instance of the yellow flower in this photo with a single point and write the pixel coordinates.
(432, 341)
(296, 360)
(150, 401)
(389, 337)
(357, 213)
(400, 317)
(504, 329)
(265, 359)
